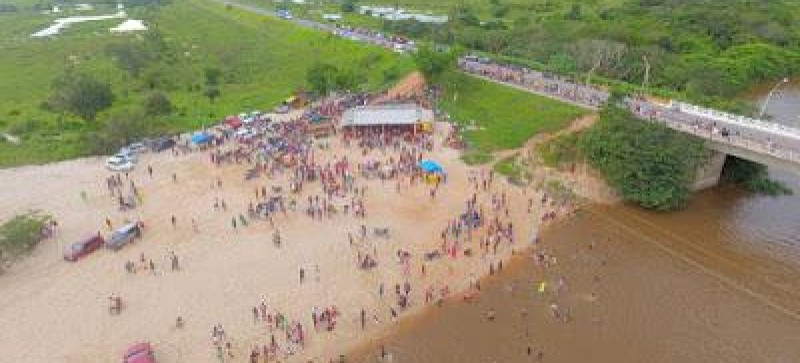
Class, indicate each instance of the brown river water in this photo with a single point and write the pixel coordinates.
(717, 282)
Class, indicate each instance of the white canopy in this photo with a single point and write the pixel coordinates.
(388, 115)
(130, 25)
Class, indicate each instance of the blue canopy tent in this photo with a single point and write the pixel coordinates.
(430, 166)
(200, 138)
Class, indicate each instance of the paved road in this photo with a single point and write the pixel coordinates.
(756, 136)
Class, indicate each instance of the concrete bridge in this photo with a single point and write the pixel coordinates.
(768, 143)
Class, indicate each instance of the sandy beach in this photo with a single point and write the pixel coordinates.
(58, 311)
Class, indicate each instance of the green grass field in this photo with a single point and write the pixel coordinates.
(500, 117)
(263, 61)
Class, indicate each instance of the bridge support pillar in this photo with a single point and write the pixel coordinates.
(709, 173)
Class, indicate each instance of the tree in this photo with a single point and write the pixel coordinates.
(80, 94)
(212, 76)
(212, 92)
(434, 64)
(349, 79)
(129, 56)
(322, 78)
(212, 83)
(594, 54)
(157, 104)
(125, 127)
(348, 6)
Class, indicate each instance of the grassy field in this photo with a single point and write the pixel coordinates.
(263, 60)
(498, 117)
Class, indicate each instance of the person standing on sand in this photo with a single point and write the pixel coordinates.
(150, 171)
(363, 319)
(175, 266)
(174, 221)
(233, 222)
(302, 275)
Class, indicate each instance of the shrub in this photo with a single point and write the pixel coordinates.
(20, 234)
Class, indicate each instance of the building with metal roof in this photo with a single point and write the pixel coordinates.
(387, 115)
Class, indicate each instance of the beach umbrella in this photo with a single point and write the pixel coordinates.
(430, 166)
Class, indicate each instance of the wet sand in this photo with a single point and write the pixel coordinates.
(648, 306)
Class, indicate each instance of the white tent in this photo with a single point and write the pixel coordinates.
(130, 25)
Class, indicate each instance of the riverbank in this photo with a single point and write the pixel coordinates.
(630, 301)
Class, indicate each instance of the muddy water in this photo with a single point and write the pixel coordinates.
(718, 282)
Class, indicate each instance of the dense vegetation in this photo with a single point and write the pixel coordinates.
(646, 163)
(707, 51)
(752, 176)
(197, 63)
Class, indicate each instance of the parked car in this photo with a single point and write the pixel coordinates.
(127, 153)
(119, 164)
(161, 144)
(124, 235)
(138, 147)
(139, 353)
(83, 247)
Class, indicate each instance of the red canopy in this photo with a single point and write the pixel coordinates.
(233, 122)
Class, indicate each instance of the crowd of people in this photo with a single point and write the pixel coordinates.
(555, 86)
(324, 185)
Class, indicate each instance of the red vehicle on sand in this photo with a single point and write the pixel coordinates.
(83, 247)
(139, 353)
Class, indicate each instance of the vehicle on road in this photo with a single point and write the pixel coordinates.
(83, 247)
(285, 14)
(139, 353)
(119, 164)
(124, 235)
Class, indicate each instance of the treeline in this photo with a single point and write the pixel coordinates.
(323, 77)
(703, 48)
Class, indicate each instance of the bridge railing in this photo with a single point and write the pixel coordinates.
(786, 152)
